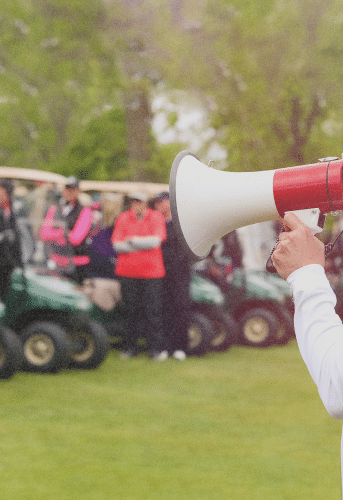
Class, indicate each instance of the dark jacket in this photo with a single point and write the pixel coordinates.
(176, 262)
(102, 255)
(10, 247)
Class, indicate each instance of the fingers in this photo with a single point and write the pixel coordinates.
(292, 221)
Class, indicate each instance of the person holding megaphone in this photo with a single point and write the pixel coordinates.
(299, 258)
(207, 203)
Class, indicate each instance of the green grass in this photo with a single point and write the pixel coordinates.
(246, 424)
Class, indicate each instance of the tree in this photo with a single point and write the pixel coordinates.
(57, 77)
(268, 72)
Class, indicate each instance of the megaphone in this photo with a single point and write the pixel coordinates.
(207, 203)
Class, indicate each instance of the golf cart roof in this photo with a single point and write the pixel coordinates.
(125, 187)
(31, 175)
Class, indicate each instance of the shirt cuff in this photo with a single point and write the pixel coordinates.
(310, 273)
(309, 280)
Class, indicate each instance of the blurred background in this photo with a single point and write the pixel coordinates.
(113, 89)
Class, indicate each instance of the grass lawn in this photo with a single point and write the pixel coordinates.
(246, 424)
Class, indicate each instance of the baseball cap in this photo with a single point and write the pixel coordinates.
(72, 182)
(138, 196)
(162, 196)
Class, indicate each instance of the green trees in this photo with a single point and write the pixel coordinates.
(269, 73)
(57, 82)
(77, 80)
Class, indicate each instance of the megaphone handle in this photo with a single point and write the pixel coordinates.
(313, 218)
(269, 265)
(327, 248)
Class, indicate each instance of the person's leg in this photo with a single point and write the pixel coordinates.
(152, 300)
(131, 294)
(168, 312)
(176, 312)
(81, 273)
(5, 281)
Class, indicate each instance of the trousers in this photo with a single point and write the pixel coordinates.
(176, 310)
(143, 303)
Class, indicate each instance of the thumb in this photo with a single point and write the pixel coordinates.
(292, 222)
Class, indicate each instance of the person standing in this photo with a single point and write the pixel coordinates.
(176, 284)
(10, 246)
(137, 237)
(299, 258)
(66, 227)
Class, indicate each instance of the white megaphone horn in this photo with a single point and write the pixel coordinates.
(207, 203)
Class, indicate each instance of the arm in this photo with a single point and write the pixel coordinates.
(146, 243)
(299, 258)
(319, 333)
(119, 239)
(137, 244)
(123, 247)
(48, 232)
(123, 244)
(81, 227)
(161, 228)
(158, 234)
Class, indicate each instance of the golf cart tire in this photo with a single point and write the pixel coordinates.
(90, 345)
(258, 327)
(11, 353)
(46, 347)
(285, 328)
(226, 330)
(200, 335)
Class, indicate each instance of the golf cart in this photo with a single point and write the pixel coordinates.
(260, 303)
(57, 323)
(52, 318)
(50, 314)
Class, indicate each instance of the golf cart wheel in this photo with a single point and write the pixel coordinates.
(200, 334)
(45, 346)
(226, 330)
(258, 327)
(90, 345)
(11, 353)
(285, 329)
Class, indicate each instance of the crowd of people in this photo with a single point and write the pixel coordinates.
(141, 252)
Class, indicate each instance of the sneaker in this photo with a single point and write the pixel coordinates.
(180, 355)
(128, 354)
(160, 356)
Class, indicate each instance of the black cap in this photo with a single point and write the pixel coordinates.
(162, 196)
(72, 182)
(8, 185)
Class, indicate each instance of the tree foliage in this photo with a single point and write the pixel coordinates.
(269, 72)
(57, 82)
(77, 79)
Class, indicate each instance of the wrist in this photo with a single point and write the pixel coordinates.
(309, 271)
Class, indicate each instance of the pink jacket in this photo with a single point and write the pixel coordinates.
(64, 243)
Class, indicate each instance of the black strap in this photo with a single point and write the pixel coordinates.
(329, 246)
(327, 186)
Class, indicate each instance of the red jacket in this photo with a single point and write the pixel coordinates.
(145, 263)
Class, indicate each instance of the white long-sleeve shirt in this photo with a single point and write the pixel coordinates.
(319, 333)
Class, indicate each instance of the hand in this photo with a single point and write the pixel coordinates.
(297, 247)
(10, 235)
(7, 235)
